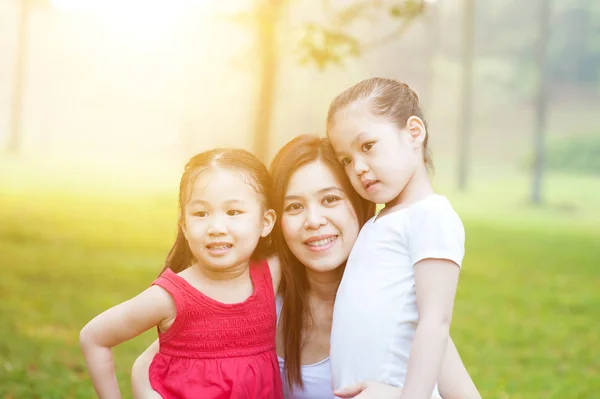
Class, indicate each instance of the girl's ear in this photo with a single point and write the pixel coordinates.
(416, 128)
(268, 222)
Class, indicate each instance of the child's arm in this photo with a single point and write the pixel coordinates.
(435, 285)
(454, 381)
(140, 380)
(117, 325)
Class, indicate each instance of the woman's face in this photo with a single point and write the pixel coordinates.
(318, 222)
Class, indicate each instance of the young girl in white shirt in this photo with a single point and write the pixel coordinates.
(393, 308)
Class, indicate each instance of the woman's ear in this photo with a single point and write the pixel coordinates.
(416, 128)
(268, 222)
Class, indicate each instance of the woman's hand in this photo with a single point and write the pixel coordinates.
(369, 389)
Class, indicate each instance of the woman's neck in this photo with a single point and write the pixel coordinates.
(323, 285)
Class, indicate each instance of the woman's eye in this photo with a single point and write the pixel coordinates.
(293, 207)
(346, 161)
(233, 212)
(200, 214)
(331, 199)
(367, 146)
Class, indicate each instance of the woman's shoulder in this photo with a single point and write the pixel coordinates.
(275, 270)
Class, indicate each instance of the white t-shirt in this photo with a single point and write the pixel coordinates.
(316, 377)
(375, 313)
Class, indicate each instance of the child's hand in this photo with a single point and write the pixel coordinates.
(369, 389)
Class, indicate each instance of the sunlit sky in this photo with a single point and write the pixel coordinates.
(150, 18)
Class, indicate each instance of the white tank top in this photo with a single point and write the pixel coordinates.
(316, 377)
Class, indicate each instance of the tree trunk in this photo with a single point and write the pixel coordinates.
(269, 12)
(465, 116)
(541, 103)
(432, 23)
(15, 122)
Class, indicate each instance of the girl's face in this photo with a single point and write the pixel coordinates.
(379, 158)
(224, 219)
(318, 222)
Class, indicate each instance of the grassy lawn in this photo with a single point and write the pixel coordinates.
(526, 320)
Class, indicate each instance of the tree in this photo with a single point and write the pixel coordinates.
(268, 15)
(542, 99)
(321, 45)
(465, 118)
(509, 32)
(14, 133)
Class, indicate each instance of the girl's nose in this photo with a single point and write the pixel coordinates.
(360, 167)
(216, 227)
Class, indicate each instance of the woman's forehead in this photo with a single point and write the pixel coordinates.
(312, 178)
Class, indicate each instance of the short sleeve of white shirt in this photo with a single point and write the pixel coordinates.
(436, 232)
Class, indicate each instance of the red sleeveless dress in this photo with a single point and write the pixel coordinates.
(215, 350)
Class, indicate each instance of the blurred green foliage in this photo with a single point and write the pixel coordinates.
(508, 29)
(578, 154)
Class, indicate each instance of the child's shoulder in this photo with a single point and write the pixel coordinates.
(435, 205)
(435, 213)
(171, 281)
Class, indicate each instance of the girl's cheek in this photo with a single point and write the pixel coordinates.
(194, 228)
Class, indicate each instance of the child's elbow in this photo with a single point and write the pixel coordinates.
(86, 338)
(437, 323)
(472, 394)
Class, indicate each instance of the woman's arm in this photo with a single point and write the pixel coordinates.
(116, 325)
(454, 381)
(435, 286)
(140, 380)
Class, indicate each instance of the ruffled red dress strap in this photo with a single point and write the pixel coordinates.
(263, 274)
(172, 283)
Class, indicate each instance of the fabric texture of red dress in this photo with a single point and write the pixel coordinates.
(215, 350)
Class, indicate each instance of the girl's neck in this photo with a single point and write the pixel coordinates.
(221, 275)
(323, 285)
(417, 188)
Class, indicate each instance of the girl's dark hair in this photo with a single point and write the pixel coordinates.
(386, 97)
(254, 171)
(295, 313)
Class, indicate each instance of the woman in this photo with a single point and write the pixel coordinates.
(319, 217)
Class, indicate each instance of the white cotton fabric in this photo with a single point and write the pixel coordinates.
(375, 314)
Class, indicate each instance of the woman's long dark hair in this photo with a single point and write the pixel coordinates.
(295, 313)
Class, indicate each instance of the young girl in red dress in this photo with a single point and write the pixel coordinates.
(213, 304)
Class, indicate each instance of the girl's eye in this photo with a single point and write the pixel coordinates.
(367, 146)
(293, 207)
(233, 212)
(331, 199)
(200, 214)
(346, 161)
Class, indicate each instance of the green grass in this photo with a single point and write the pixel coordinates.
(526, 319)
